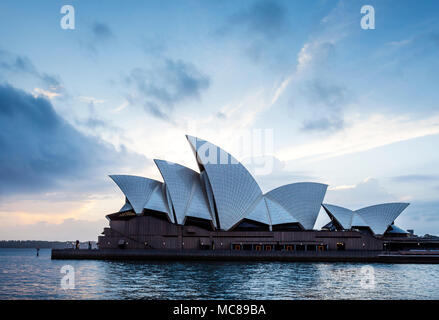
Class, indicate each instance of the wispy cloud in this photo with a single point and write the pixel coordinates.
(263, 19)
(92, 100)
(258, 26)
(410, 178)
(364, 193)
(21, 65)
(161, 88)
(120, 107)
(45, 93)
(364, 133)
(98, 35)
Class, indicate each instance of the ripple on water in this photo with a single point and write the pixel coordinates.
(25, 276)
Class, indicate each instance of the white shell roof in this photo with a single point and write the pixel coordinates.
(126, 207)
(377, 217)
(380, 216)
(224, 186)
(184, 186)
(278, 214)
(358, 221)
(342, 215)
(136, 189)
(301, 200)
(259, 212)
(157, 201)
(233, 187)
(396, 230)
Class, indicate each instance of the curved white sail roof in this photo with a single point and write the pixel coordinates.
(259, 212)
(358, 221)
(302, 200)
(278, 214)
(157, 201)
(379, 217)
(342, 215)
(233, 187)
(136, 189)
(126, 207)
(184, 186)
(396, 230)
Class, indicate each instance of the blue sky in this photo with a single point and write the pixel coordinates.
(356, 109)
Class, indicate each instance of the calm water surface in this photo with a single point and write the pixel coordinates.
(25, 276)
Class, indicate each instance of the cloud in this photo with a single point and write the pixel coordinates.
(69, 230)
(41, 151)
(153, 46)
(422, 216)
(260, 26)
(45, 93)
(409, 178)
(365, 193)
(22, 65)
(323, 124)
(400, 43)
(264, 19)
(362, 134)
(310, 78)
(101, 31)
(327, 100)
(279, 173)
(161, 88)
(98, 35)
(313, 56)
(91, 100)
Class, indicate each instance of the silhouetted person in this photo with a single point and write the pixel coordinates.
(77, 245)
(89, 245)
(38, 252)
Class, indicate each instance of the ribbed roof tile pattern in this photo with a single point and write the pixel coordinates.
(233, 187)
(185, 190)
(136, 189)
(126, 207)
(342, 215)
(358, 221)
(259, 212)
(157, 201)
(302, 200)
(379, 217)
(278, 214)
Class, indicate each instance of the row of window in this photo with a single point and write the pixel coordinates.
(279, 247)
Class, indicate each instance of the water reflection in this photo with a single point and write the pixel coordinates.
(25, 276)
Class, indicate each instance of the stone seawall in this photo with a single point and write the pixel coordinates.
(244, 256)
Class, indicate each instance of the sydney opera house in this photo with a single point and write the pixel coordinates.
(221, 207)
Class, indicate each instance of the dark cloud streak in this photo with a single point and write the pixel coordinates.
(21, 65)
(41, 151)
(259, 27)
(328, 101)
(163, 87)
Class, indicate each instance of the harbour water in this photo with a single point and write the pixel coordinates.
(23, 275)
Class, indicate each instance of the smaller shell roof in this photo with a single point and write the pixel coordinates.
(377, 217)
(136, 189)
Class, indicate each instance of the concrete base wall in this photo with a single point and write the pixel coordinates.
(149, 232)
(245, 256)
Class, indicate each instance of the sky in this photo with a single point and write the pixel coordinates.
(297, 90)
